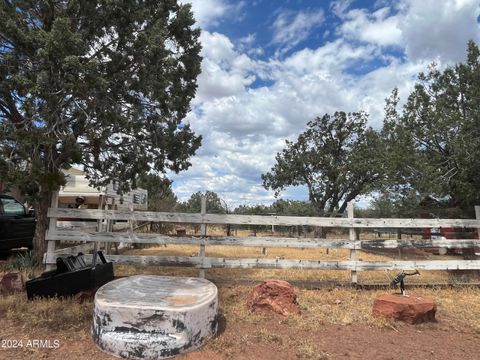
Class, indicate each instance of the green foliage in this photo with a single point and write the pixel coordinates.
(394, 205)
(103, 84)
(336, 157)
(254, 210)
(278, 208)
(160, 194)
(292, 208)
(160, 198)
(434, 144)
(99, 83)
(214, 203)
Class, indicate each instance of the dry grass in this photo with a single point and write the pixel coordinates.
(51, 314)
(338, 305)
(342, 306)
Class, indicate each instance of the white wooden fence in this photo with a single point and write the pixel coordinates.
(204, 219)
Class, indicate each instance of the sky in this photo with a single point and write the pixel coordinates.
(271, 66)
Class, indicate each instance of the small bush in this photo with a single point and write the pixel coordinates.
(24, 262)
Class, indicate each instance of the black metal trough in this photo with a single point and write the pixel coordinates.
(71, 276)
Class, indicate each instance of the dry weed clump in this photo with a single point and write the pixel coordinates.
(53, 314)
(307, 350)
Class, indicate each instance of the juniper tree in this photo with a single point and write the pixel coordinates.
(104, 84)
(434, 142)
(337, 158)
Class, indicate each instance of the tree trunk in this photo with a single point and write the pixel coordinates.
(319, 231)
(41, 209)
(349, 198)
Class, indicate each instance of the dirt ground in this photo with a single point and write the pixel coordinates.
(342, 335)
(269, 340)
(336, 321)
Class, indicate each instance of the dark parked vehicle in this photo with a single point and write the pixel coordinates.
(17, 225)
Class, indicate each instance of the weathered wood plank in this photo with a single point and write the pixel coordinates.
(128, 237)
(258, 219)
(337, 222)
(203, 232)
(286, 264)
(125, 215)
(421, 243)
(420, 265)
(52, 225)
(117, 237)
(83, 248)
(352, 236)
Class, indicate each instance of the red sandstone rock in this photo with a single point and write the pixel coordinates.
(412, 309)
(276, 295)
(11, 283)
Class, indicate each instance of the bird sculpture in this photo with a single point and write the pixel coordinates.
(399, 279)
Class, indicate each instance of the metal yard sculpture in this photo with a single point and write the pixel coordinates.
(399, 279)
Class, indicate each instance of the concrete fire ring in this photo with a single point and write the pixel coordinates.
(154, 317)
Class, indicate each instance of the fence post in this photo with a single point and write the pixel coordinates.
(477, 216)
(109, 228)
(352, 236)
(52, 225)
(99, 229)
(203, 233)
(399, 237)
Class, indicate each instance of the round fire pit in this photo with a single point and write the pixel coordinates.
(154, 317)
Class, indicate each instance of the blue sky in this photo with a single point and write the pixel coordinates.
(271, 66)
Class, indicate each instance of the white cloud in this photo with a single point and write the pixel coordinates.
(426, 29)
(292, 28)
(209, 13)
(225, 72)
(432, 29)
(247, 40)
(329, 59)
(377, 28)
(217, 47)
(339, 7)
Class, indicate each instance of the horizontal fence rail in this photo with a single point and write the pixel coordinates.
(207, 262)
(216, 219)
(134, 238)
(202, 262)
